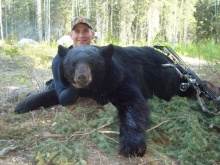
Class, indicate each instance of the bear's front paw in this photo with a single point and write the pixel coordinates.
(133, 146)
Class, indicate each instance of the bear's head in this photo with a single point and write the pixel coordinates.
(89, 66)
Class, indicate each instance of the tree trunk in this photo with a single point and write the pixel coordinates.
(153, 22)
(186, 23)
(136, 27)
(179, 24)
(174, 34)
(111, 18)
(216, 4)
(39, 20)
(87, 9)
(47, 21)
(73, 9)
(122, 14)
(1, 28)
(6, 23)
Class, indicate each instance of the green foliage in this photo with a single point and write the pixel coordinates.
(186, 136)
(112, 39)
(15, 131)
(207, 16)
(11, 39)
(13, 51)
(204, 49)
(38, 55)
(63, 153)
(77, 128)
(141, 43)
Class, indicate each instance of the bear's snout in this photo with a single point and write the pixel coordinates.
(82, 76)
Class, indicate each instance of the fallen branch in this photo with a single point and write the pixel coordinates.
(88, 133)
(77, 133)
(81, 133)
(157, 125)
(109, 132)
(111, 139)
(53, 136)
(6, 150)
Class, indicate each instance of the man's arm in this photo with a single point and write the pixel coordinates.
(66, 95)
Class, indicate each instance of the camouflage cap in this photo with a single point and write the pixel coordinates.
(81, 19)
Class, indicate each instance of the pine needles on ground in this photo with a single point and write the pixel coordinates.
(179, 132)
(187, 137)
(68, 139)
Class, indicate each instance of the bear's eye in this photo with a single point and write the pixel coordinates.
(74, 63)
(91, 64)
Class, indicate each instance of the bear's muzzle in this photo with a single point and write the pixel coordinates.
(82, 76)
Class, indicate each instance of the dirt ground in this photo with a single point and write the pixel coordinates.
(9, 82)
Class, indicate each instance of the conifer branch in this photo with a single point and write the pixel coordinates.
(88, 133)
(80, 133)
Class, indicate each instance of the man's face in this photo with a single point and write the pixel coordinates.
(81, 35)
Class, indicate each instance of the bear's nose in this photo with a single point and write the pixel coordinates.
(82, 78)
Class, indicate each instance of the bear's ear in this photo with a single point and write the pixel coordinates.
(108, 51)
(62, 51)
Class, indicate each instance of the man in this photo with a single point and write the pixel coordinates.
(81, 33)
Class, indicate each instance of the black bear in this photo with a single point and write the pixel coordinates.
(124, 76)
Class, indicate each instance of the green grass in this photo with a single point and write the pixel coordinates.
(206, 50)
(38, 55)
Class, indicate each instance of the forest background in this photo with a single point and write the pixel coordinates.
(121, 22)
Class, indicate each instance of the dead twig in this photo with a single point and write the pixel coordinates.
(6, 150)
(109, 132)
(111, 138)
(81, 133)
(157, 125)
(33, 119)
(88, 133)
(78, 133)
(52, 136)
